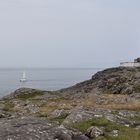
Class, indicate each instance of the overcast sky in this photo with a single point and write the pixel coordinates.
(68, 33)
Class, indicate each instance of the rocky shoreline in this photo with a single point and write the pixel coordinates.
(106, 107)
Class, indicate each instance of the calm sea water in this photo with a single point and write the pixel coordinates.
(45, 79)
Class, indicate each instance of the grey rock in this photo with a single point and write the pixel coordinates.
(78, 115)
(4, 114)
(115, 133)
(118, 80)
(126, 113)
(60, 113)
(119, 119)
(94, 132)
(30, 128)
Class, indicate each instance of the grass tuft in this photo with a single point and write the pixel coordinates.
(8, 106)
(137, 88)
(30, 95)
(125, 133)
(58, 119)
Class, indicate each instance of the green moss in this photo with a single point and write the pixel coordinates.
(8, 106)
(59, 119)
(137, 88)
(114, 126)
(100, 138)
(83, 126)
(129, 136)
(30, 95)
(44, 104)
(43, 115)
(125, 133)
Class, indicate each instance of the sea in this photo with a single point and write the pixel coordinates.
(49, 79)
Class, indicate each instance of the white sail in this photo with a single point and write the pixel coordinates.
(23, 79)
(24, 75)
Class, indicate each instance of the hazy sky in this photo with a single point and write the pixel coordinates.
(68, 33)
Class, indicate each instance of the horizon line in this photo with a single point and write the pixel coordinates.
(52, 67)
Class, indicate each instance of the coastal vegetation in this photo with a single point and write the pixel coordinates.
(106, 107)
(125, 133)
(30, 95)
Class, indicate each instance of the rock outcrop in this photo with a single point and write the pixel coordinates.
(106, 107)
(30, 128)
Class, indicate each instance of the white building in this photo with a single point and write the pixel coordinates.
(136, 63)
(129, 64)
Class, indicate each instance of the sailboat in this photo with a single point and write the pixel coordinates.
(23, 79)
